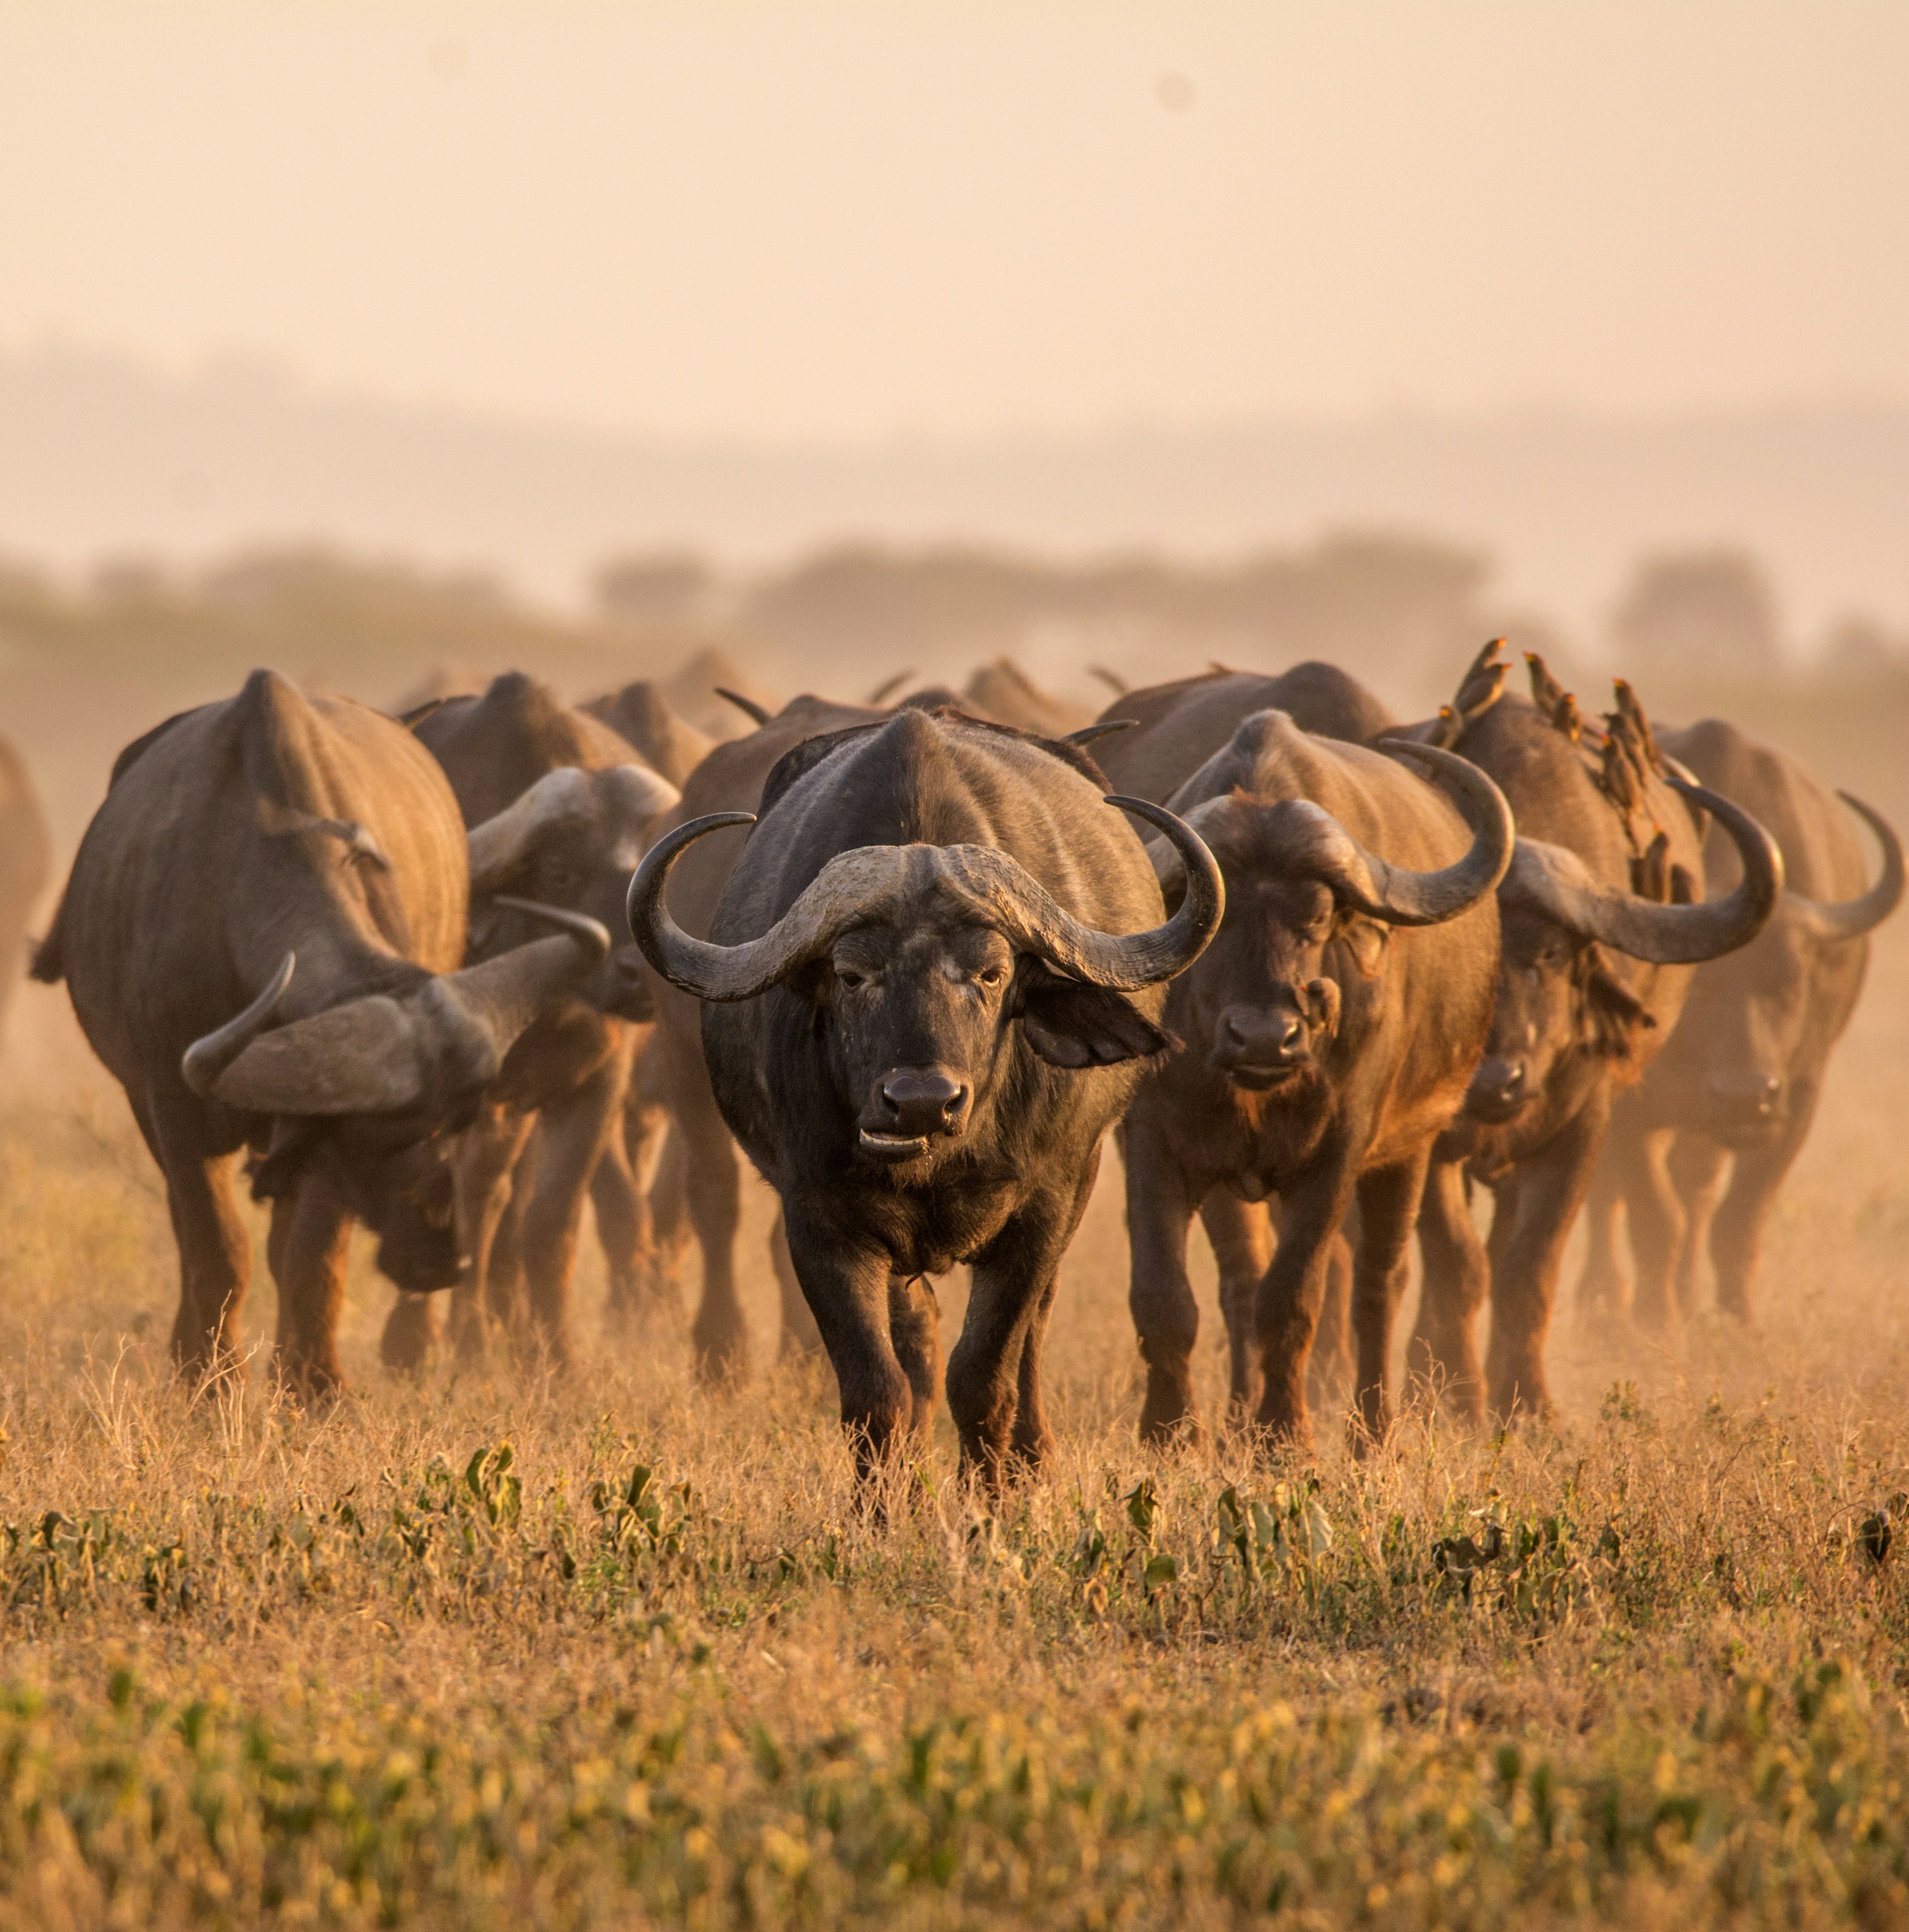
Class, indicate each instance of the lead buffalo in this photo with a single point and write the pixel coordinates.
(1327, 1037)
(1737, 1085)
(261, 936)
(1601, 924)
(934, 978)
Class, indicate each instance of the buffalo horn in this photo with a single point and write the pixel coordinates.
(887, 688)
(1553, 880)
(208, 1056)
(1851, 918)
(747, 707)
(857, 886)
(1088, 733)
(498, 846)
(385, 1051)
(1402, 898)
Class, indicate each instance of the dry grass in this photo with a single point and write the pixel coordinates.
(612, 1652)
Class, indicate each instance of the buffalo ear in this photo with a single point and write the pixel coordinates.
(1071, 1025)
(1613, 1016)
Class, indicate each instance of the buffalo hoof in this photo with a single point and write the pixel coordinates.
(412, 1331)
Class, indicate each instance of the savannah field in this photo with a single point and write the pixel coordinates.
(493, 1650)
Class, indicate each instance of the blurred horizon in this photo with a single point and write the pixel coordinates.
(112, 462)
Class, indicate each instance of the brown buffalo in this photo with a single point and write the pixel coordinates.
(1603, 917)
(1003, 691)
(640, 715)
(1737, 1085)
(262, 937)
(26, 859)
(1327, 1038)
(559, 810)
(1170, 731)
(1176, 728)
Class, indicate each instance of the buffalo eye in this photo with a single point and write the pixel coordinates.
(991, 976)
(849, 978)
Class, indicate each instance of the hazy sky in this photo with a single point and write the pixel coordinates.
(846, 220)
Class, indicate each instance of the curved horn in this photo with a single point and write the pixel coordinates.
(1852, 918)
(746, 705)
(591, 933)
(887, 688)
(209, 1056)
(1553, 880)
(691, 964)
(856, 884)
(1402, 898)
(1114, 681)
(1088, 733)
(497, 846)
(640, 793)
(446, 1037)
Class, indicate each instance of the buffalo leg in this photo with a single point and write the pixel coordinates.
(1699, 1169)
(801, 1338)
(215, 1258)
(1457, 1278)
(915, 1334)
(412, 1331)
(1389, 1199)
(1657, 1222)
(1329, 1375)
(1159, 1210)
(714, 1193)
(1604, 1288)
(309, 1245)
(1736, 1234)
(848, 1291)
(1013, 1276)
(622, 1217)
(573, 1133)
(1528, 1237)
(1286, 1314)
(1240, 1233)
(485, 1177)
(1032, 1441)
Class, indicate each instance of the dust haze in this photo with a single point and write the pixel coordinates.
(1044, 353)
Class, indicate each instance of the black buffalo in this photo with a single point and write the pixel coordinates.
(1328, 1035)
(931, 984)
(1603, 916)
(261, 935)
(1735, 1087)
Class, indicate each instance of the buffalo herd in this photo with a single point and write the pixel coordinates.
(1321, 975)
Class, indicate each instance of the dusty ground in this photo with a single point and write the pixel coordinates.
(343, 1668)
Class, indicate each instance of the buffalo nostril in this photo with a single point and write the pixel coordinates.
(1292, 1036)
(923, 1103)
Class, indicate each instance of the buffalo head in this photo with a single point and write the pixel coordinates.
(367, 1092)
(1750, 1015)
(1300, 887)
(571, 840)
(1560, 995)
(917, 963)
